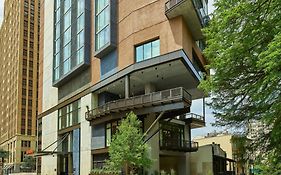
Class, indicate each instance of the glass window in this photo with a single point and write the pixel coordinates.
(56, 73)
(80, 39)
(147, 50)
(57, 4)
(57, 30)
(102, 23)
(139, 53)
(58, 15)
(67, 36)
(100, 4)
(69, 115)
(103, 19)
(155, 48)
(66, 66)
(108, 134)
(67, 5)
(80, 23)
(67, 51)
(67, 20)
(57, 46)
(80, 55)
(80, 7)
(57, 60)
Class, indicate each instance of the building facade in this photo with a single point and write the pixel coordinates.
(19, 49)
(227, 142)
(104, 58)
(211, 159)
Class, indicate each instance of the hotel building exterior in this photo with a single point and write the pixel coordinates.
(19, 73)
(104, 58)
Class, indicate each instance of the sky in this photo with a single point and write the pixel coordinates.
(196, 105)
(1, 10)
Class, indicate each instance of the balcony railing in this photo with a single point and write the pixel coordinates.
(195, 116)
(141, 101)
(172, 3)
(203, 16)
(178, 145)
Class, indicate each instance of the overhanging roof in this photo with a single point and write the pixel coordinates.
(179, 55)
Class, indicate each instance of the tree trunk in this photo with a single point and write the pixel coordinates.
(126, 169)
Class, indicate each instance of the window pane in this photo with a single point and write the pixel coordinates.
(67, 36)
(57, 60)
(147, 51)
(80, 39)
(57, 73)
(67, 20)
(108, 135)
(57, 30)
(66, 51)
(155, 48)
(80, 55)
(66, 66)
(67, 4)
(139, 53)
(57, 4)
(80, 23)
(58, 15)
(57, 46)
(80, 7)
(100, 4)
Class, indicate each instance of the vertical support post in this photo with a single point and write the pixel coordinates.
(204, 109)
(127, 86)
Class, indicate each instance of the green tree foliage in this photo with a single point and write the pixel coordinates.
(268, 165)
(244, 49)
(28, 164)
(3, 154)
(127, 149)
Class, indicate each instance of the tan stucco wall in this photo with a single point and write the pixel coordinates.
(202, 161)
(223, 140)
(142, 21)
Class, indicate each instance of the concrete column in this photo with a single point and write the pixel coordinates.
(86, 134)
(49, 135)
(149, 88)
(153, 144)
(127, 86)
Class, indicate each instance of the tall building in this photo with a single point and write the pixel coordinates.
(104, 58)
(19, 73)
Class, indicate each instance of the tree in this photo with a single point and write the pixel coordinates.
(267, 165)
(240, 143)
(244, 50)
(3, 154)
(127, 149)
(28, 164)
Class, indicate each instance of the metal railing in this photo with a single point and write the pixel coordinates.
(195, 116)
(155, 98)
(172, 3)
(178, 145)
(204, 18)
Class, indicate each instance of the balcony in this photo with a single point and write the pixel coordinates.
(193, 13)
(178, 145)
(166, 100)
(195, 120)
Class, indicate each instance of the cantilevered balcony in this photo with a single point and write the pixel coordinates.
(178, 145)
(166, 100)
(193, 13)
(195, 120)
